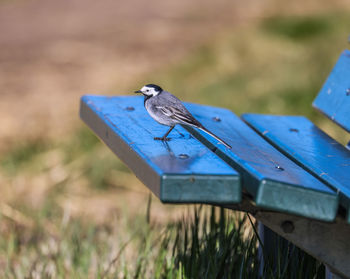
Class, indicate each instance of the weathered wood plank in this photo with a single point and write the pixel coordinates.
(334, 97)
(180, 171)
(310, 147)
(274, 181)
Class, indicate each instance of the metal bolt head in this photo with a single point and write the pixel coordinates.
(287, 226)
(183, 156)
(279, 168)
(130, 108)
(216, 119)
(293, 130)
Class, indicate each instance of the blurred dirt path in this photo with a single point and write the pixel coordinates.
(52, 52)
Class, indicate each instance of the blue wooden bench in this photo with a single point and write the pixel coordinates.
(284, 170)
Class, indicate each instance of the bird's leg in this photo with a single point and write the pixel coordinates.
(164, 138)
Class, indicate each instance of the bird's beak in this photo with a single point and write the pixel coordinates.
(138, 91)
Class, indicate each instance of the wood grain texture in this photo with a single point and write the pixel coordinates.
(334, 97)
(310, 147)
(180, 171)
(273, 180)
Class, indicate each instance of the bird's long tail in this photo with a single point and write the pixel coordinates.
(214, 136)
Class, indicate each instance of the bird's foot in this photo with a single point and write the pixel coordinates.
(162, 139)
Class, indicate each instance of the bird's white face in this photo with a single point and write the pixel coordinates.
(149, 91)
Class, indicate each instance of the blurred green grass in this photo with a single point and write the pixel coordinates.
(275, 65)
(207, 243)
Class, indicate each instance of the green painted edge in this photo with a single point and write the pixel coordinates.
(219, 189)
(297, 200)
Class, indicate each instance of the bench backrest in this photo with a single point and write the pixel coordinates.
(334, 97)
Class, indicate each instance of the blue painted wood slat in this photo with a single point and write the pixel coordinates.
(334, 97)
(273, 180)
(310, 147)
(180, 171)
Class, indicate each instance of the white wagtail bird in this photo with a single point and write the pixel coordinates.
(168, 110)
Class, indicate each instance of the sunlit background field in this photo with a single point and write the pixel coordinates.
(69, 207)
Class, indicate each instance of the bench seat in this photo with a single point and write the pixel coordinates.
(309, 147)
(269, 177)
(186, 169)
(181, 171)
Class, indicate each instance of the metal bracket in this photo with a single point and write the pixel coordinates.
(327, 242)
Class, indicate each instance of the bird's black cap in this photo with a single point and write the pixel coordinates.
(156, 87)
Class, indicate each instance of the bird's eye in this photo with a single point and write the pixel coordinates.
(147, 90)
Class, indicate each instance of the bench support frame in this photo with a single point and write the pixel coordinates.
(325, 241)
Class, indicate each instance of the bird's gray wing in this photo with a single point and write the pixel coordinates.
(173, 108)
(180, 114)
